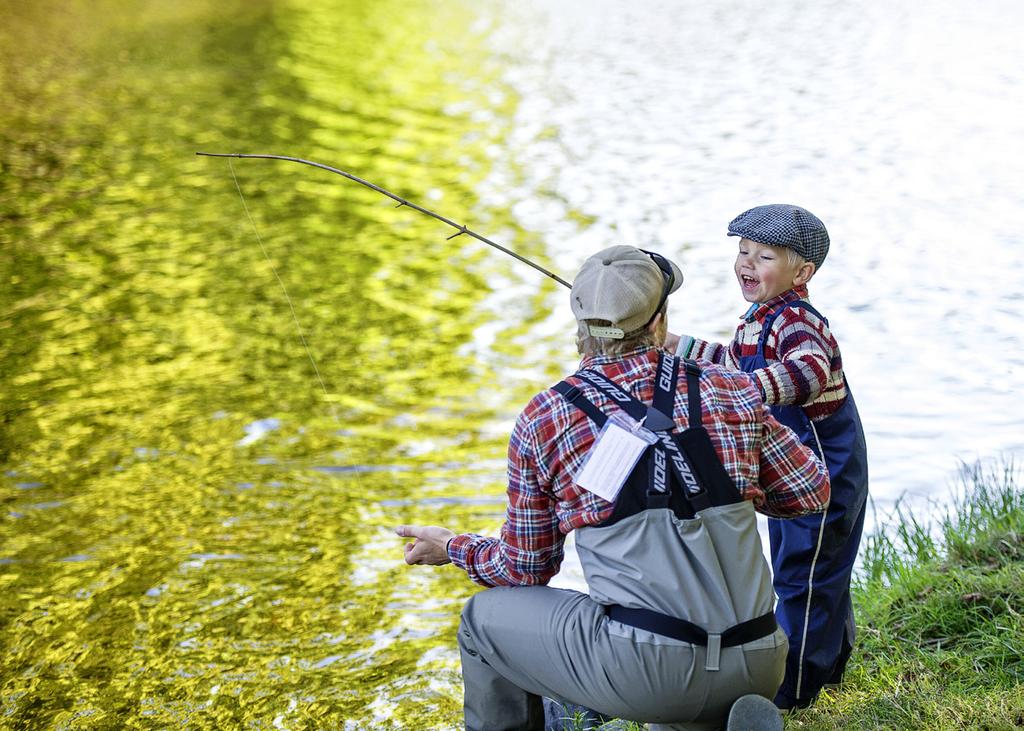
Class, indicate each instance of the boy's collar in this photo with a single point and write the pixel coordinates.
(760, 310)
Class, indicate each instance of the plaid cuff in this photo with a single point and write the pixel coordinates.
(458, 548)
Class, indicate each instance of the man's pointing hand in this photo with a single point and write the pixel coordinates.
(430, 546)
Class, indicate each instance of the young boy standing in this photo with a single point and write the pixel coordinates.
(787, 346)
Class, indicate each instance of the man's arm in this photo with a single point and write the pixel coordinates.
(529, 550)
(795, 482)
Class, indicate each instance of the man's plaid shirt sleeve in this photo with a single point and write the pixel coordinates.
(794, 481)
(771, 467)
(530, 548)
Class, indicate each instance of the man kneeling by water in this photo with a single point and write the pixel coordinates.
(658, 465)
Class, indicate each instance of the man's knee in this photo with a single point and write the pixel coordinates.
(467, 625)
(476, 615)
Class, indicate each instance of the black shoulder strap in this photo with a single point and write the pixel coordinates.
(575, 397)
(665, 387)
(654, 497)
(718, 486)
(693, 393)
(625, 401)
(665, 384)
(689, 455)
(652, 418)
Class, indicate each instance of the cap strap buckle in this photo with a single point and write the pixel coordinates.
(597, 331)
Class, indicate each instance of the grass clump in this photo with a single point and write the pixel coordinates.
(940, 615)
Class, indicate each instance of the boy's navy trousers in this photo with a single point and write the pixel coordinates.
(813, 556)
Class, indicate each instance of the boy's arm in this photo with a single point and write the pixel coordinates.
(804, 351)
(697, 349)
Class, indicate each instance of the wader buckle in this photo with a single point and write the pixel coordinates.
(714, 652)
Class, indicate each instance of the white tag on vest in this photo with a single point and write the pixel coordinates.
(613, 456)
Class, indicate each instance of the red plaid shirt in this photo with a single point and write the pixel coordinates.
(804, 367)
(551, 438)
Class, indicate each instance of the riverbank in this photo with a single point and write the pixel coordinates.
(940, 614)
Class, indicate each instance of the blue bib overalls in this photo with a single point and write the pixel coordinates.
(813, 555)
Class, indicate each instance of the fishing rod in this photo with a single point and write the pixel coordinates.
(401, 202)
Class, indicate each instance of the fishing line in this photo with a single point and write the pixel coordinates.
(295, 318)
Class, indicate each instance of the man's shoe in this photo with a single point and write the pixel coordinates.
(754, 713)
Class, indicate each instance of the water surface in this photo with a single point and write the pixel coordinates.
(654, 124)
(210, 424)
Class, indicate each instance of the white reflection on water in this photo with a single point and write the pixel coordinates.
(899, 126)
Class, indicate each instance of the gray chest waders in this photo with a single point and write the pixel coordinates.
(680, 555)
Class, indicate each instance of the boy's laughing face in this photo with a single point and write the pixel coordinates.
(764, 272)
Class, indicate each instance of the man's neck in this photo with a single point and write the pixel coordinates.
(589, 360)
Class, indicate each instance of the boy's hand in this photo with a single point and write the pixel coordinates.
(671, 342)
(430, 547)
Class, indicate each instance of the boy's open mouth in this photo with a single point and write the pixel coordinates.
(748, 281)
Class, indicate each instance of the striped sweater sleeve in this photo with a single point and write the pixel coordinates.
(697, 349)
(800, 350)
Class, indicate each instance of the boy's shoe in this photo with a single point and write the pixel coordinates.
(788, 705)
(754, 713)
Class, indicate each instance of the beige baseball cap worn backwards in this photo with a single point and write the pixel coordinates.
(625, 286)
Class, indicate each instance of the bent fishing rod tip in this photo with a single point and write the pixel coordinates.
(462, 229)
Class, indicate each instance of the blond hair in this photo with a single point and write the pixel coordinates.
(587, 344)
(792, 257)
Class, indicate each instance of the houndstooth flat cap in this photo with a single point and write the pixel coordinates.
(782, 224)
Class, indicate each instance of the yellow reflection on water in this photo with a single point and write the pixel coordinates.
(195, 531)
